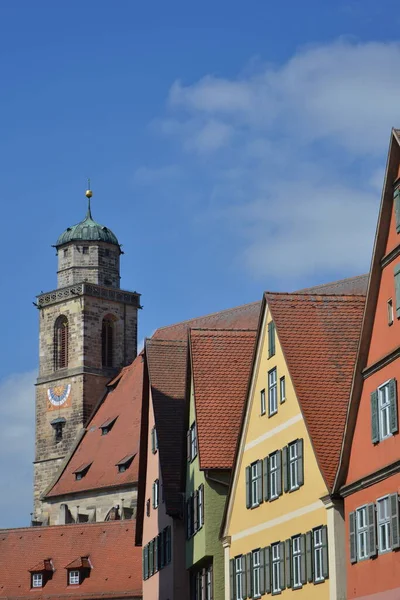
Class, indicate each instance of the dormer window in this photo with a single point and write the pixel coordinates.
(73, 577)
(125, 463)
(41, 573)
(37, 580)
(81, 471)
(78, 570)
(107, 425)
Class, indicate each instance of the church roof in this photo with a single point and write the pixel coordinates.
(121, 408)
(87, 230)
(115, 563)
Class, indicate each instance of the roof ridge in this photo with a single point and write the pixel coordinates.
(222, 329)
(330, 283)
(309, 297)
(58, 526)
(165, 341)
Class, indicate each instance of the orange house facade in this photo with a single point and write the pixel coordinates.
(369, 477)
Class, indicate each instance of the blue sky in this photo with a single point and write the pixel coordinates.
(233, 147)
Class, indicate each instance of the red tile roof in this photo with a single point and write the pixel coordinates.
(167, 364)
(116, 564)
(319, 335)
(105, 451)
(221, 364)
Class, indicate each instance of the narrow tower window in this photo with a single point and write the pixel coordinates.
(107, 342)
(61, 343)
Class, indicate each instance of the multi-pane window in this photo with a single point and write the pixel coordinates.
(73, 577)
(272, 393)
(256, 573)
(239, 578)
(209, 586)
(37, 580)
(384, 419)
(192, 442)
(254, 484)
(276, 561)
(384, 411)
(156, 493)
(154, 440)
(157, 553)
(195, 511)
(384, 534)
(282, 389)
(296, 561)
(293, 467)
(318, 555)
(362, 533)
(390, 311)
(262, 402)
(273, 476)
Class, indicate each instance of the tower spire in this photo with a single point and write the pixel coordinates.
(88, 195)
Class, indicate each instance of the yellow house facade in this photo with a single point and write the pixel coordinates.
(282, 531)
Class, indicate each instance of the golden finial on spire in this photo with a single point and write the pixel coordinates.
(89, 192)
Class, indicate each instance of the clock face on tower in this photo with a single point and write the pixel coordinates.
(59, 396)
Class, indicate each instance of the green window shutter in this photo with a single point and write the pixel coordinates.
(266, 479)
(309, 557)
(282, 565)
(279, 472)
(303, 571)
(397, 287)
(396, 202)
(300, 461)
(285, 468)
(259, 481)
(325, 557)
(248, 488)
(267, 559)
(232, 578)
(262, 571)
(394, 520)
(374, 417)
(371, 530)
(353, 538)
(201, 496)
(288, 563)
(394, 423)
(249, 575)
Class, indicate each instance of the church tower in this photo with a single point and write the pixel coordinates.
(87, 332)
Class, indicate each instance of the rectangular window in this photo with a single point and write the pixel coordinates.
(282, 389)
(362, 533)
(254, 485)
(296, 561)
(192, 442)
(154, 441)
(156, 493)
(384, 411)
(272, 393)
(200, 515)
(256, 573)
(273, 476)
(73, 578)
(262, 402)
(148, 507)
(276, 560)
(390, 311)
(239, 576)
(209, 585)
(85, 250)
(37, 580)
(293, 467)
(318, 555)
(271, 339)
(384, 533)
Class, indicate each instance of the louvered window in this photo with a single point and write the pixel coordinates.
(107, 342)
(61, 343)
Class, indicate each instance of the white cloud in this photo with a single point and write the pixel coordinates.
(17, 416)
(295, 156)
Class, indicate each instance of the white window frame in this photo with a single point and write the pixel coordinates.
(383, 524)
(254, 484)
(390, 311)
(318, 555)
(256, 567)
(296, 561)
(200, 507)
(74, 577)
(156, 493)
(384, 411)
(293, 467)
(282, 388)
(37, 580)
(238, 577)
(362, 532)
(273, 476)
(276, 560)
(263, 402)
(208, 589)
(193, 441)
(272, 392)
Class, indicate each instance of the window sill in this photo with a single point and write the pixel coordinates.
(271, 414)
(318, 581)
(294, 489)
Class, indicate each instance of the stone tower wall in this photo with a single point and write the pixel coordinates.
(94, 262)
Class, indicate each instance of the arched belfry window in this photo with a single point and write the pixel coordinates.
(107, 341)
(61, 343)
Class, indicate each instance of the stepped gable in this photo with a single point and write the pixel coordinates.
(123, 403)
(167, 365)
(116, 564)
(319, 335)
(221, 365)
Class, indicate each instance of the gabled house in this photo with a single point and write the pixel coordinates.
(369, 476)
(283, 531)
(220, 362)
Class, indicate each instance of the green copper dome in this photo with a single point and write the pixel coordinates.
(87, 231)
